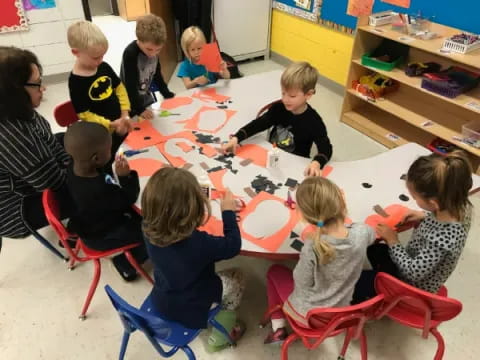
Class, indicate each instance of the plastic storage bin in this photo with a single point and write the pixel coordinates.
(471, 133)
(460, 48)
(381, 65)
(451, 82)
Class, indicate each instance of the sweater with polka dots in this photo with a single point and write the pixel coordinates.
(432, 253)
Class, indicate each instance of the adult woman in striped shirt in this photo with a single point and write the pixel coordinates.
(31, 158)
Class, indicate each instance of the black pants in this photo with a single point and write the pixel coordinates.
(33, 213)
(130, 232)
(380, 259)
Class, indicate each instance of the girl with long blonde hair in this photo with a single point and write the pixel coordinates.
(330, 263)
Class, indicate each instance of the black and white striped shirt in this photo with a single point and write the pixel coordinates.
(31, 160)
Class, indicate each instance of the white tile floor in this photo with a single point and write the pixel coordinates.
(40, 299)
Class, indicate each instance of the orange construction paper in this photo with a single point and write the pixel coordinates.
(256, 153)
(396, 214)
(402, 3)
(145, 167)
(210, 57)
(272, 242)
(208, 150)
(210, 94)
(359, 7)
(169, 104)
(184, 146)
(216, 178)
(143, 135)
(193, 122)
(326, 171)
(213, 226)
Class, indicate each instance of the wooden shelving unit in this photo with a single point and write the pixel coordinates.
(400, 117)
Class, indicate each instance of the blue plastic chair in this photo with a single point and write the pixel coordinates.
(157, 330)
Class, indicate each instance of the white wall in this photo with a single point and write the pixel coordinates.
(47, 35)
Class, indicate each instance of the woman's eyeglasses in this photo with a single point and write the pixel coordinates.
(37, 85)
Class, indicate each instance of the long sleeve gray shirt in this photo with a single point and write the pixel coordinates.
(332, 284)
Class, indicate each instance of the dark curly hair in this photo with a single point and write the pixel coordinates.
(15, 71)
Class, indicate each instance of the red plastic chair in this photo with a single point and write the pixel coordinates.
(416, 308)
(328, 322)
(65, 114)
(50, 206)
(266, 107)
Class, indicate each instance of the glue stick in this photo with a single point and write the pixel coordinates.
(273, 157)
(205, 185)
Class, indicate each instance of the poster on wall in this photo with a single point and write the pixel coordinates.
(306, 9)
(38, 4)
(359, 7)
(12, 16)
(401, 3)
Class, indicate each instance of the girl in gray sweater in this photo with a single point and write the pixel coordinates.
(330, 262)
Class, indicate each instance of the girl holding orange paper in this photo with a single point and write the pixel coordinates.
(192, 73)
(440, 186)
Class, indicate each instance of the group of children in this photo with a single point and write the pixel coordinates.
(329, 271)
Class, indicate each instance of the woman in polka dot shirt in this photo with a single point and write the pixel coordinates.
(440, 186)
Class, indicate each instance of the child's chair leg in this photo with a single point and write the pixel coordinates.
(137, 266)
(346, 342)
(363, 346)
(189, 352)
(49, 246)
(123, 348)
(93, 287)
(290, 339)
(441, 344)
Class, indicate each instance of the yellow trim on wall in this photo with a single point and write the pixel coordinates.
(326, 49)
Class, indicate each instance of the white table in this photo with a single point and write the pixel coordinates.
(366, 183)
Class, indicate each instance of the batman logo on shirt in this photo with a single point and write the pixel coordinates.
(101, 88)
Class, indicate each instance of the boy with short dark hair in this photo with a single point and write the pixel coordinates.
(104, 217)
(141, 65)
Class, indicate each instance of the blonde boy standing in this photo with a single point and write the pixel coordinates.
(141, 65)
(96, 92)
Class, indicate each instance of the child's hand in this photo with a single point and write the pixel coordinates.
(118, 126)
(413, 216)
(147, 114)
(224, 73)
(223, 66)
(231, 146)
(201, 80)
(228, 202)
(387, 234)
(313, 169)
(121, 166)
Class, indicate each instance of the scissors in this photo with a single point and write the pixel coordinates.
(290, 203)
(129, 153)
(165, 113)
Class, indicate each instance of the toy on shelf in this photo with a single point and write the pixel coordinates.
(375, 85)
(462, 43)
(450, 82)
(440, 146)
(419, 68)
(387, 56)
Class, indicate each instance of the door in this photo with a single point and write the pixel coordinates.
(168, 56)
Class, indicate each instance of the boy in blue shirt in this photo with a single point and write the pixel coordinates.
(192, 73)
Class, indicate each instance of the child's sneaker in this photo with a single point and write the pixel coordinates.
(276, 337)
(124, 268)
(217, 343)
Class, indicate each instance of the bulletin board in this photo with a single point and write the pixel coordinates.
(12, 16)
(306, 9)
(463, 15)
